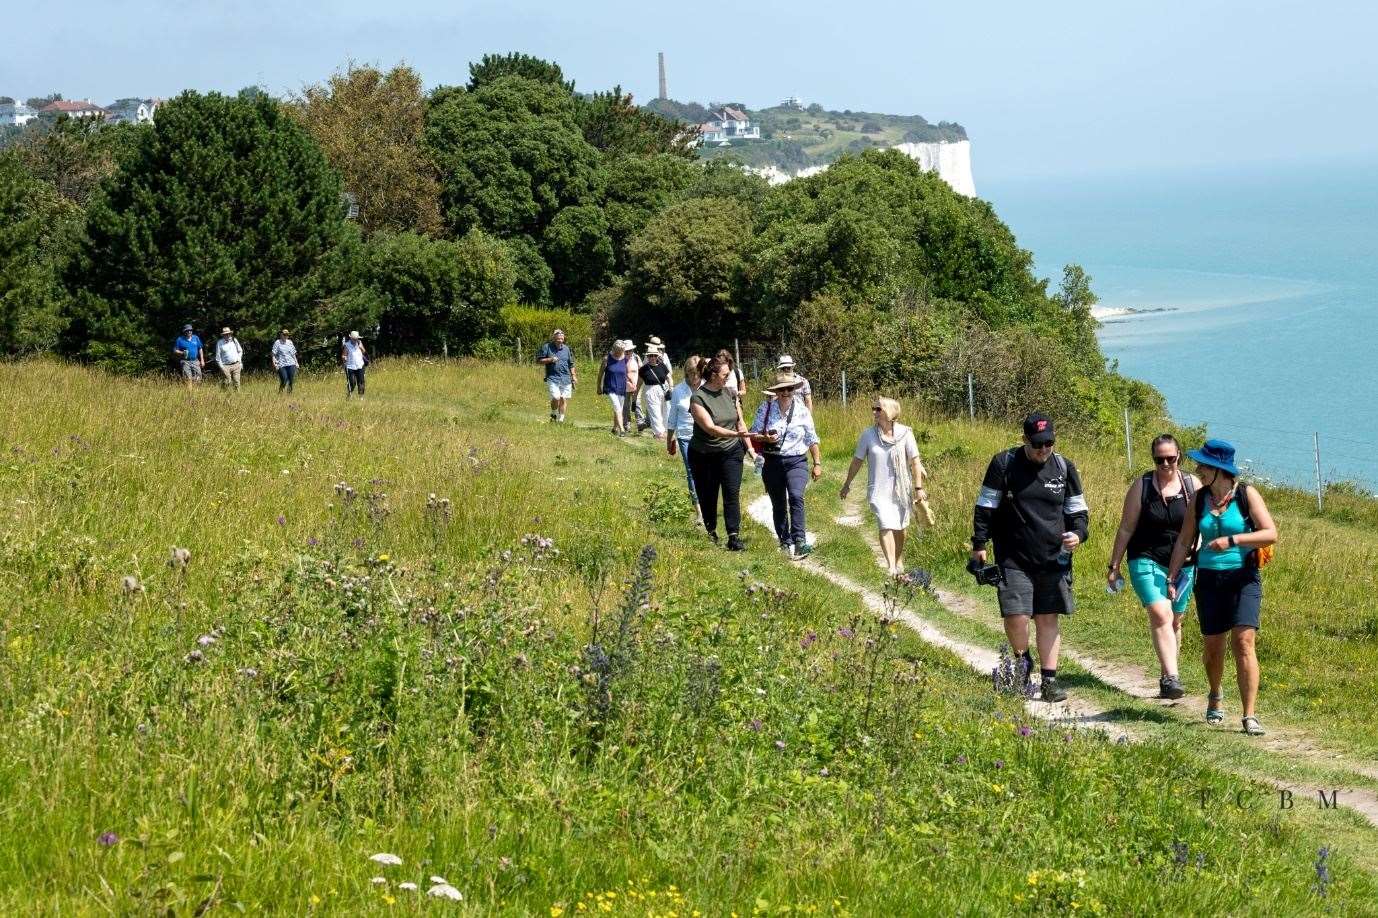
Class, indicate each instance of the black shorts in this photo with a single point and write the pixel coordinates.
(1035, 593)
(1228, 599)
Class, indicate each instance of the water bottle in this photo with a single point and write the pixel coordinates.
(1116, 585)
(760, 464)
(1064, 557)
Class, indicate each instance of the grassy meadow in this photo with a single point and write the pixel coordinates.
(436, 626)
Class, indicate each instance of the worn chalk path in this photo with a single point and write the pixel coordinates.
(1076, 712)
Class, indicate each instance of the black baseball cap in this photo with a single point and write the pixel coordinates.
(1038, 427)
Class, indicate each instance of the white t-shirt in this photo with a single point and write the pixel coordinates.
(354, 354)
(880, 487)
(228, 352)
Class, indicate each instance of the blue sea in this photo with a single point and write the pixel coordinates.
(1255, 298)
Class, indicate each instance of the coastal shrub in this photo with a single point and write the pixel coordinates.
(533, 326)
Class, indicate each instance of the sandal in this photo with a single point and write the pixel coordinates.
(1252, 726)
(1214, 715)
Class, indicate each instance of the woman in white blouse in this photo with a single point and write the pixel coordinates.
(894, 477)
(785, 433)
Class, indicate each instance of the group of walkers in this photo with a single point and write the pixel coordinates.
(1206, 534)
(228, 354)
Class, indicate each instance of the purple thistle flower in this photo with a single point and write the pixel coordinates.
(1025, 730)
(358, 542)
(779, 744)
(282, 520)
(755, 726)
(845, 633)
(999, 764)
(961, 759)
(312, 541)
(108, 840)
(807, 640)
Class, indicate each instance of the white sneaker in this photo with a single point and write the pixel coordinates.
(560, 419)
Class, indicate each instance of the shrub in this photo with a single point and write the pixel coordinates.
(533, 326)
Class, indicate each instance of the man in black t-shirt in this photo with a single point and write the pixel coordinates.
(1031, 504)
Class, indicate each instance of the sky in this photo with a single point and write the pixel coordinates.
(1059, 88)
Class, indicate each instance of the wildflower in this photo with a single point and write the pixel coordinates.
(312, 541)
(358, 542)
(845, 633)
(387, 860)
(378, 881)
(195, 657)
(108, 840)
(249, 672)
(206, 640)
(1323, 871)
(179, 558)
(779, 744)
(1025, 730)
(807, 640)
(282, 520)
(755, 725)
(439, 880)
(823, 772)
(961, 760)
(130, 584)
(383, 558)
(409, 887)
(999, 763)
(445, 891)
(556, 911)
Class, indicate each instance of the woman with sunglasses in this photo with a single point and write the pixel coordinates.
(894, 476)
(1234, 525)
(1155, 508)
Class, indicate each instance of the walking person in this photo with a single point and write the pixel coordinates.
(1031, 504)
(664, 351)
(631, 412)
(560, 374)
(1237, 534)
(191, 355)
(894, 478)
(355, 359)
(680, 423)
(656, 379)
(789, 443)
(1155, 508)
(229, 355)
(716, 451)
(284, 356)
(736, 381)
(612, 382)
(786, 364)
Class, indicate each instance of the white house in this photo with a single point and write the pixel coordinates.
(728, 124)
(132, 111)
(73, 109)
(16, 114)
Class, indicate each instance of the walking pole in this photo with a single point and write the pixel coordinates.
(1128, 447)
(1320, 492)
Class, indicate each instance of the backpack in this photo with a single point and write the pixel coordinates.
(1258, 557)
(1005, 470)
(1147, 494)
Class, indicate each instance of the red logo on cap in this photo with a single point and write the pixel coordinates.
(1041, 425)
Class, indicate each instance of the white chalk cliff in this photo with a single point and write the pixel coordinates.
(952, 162)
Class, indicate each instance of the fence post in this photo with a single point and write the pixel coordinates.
(971, 397)
(844, 388)
(736, 354)
(1128, 445)
(754, 373)
(1320, 492)
(590, 350)
(519, 350)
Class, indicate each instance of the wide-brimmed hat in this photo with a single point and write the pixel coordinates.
(226, 331)
(653, 350)
(654, 339)
(785, 361)
(1218, 454)
(628, 344)
(785, 379)
(355, 336)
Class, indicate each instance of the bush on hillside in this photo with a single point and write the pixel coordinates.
(533, 326)
(37, 226)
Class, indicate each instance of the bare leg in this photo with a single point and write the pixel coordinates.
(1213, 656)
(899, 552)
(1017, 632)
(1245, 666)
(1049, 635)
(887, 548)
(1162, 627)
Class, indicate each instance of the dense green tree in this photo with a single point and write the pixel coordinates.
(723, 179)
(494, 67)
(615, 126)
(369, 125)
(579, 251)
(511, 155)
(75, 155)
(437, 293)
(636, 188)
(534, 277)
(1076, 298)
(221, 214)
(37, 226)
(684, 271)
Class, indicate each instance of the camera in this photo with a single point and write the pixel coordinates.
(987, 575)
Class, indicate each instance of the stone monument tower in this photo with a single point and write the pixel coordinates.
(664, 94)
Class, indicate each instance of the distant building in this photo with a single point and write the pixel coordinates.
(72, 109)
(728, 124)
(793, 102)
(132, 111)
(16, 114)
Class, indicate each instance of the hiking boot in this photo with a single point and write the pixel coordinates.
(1170, 687)
(713, 537)
(734, 542)
(1051, 691)
(787, 548)
(802, 550)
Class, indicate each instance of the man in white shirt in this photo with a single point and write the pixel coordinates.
(230, 355)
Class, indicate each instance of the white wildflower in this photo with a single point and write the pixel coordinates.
(445, 891)
(206, 640)
(388, 860)
(441, 880)
(378, 881)
(409, 887)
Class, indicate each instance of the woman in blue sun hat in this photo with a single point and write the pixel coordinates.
(1237, 533)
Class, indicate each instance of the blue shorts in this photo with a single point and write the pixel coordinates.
(1149, 579)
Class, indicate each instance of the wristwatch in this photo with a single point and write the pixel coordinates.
(1232, 544)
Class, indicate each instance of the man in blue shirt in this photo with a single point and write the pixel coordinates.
(189, 351)
(560, 376)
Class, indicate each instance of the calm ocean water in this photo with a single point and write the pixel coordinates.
(1264, 286)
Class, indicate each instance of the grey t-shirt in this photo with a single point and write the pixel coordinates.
(722, 409)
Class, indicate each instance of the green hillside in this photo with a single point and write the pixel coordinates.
(794, 137)
(428, 625)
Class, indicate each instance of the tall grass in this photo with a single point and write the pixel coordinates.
(489, 685)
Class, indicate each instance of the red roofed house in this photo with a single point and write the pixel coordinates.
(728, 124)
(81, 109)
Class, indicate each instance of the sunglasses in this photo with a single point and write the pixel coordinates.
(1166, 460)
(1049, 445)
(875, 408)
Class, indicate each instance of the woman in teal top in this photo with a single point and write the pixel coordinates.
(1234, 524)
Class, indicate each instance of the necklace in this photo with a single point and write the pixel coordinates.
(1221, 503)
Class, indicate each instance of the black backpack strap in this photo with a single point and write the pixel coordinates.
(1241, 495)
(1145, 491)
